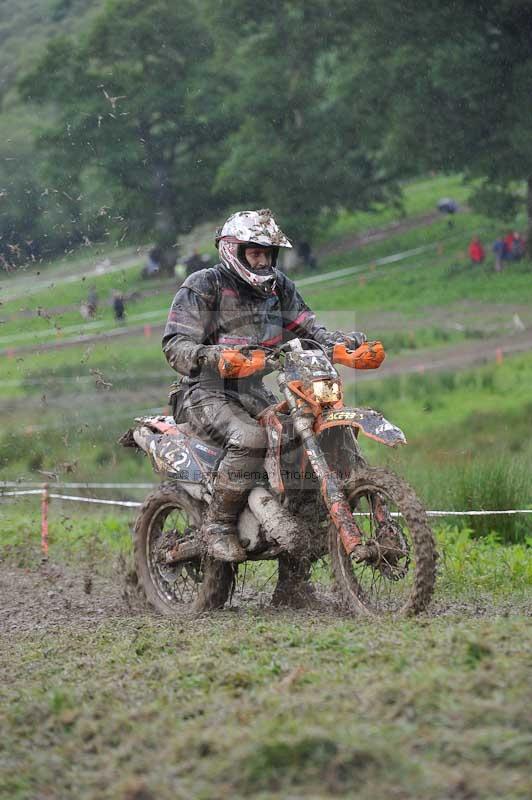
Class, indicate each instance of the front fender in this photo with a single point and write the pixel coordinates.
(367, 421)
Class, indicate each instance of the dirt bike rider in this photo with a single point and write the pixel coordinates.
(242, 302)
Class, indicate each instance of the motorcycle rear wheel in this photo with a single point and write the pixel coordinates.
(366, 588)
(187, 587)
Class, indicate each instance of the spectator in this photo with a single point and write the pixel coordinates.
(476, 251)
(153, 264)
(304, 252)
(499, 249)
(514, 246)
(448, 206)
(92, 302)
(194, 263)
(119, 308)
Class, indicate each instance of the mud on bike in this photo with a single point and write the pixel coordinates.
(321, 499)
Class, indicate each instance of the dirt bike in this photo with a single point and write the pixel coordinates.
(321, 498)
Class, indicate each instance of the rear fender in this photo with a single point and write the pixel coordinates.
(176, 454)
(365, 420)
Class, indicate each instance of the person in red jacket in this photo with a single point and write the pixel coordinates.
(476, 251)
(514, 246)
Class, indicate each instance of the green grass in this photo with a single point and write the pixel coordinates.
(141, 708)
(260, 703)
(79, 533)
(135, 356)
(145, 709)
(424, 280)
(419, 197)
(75, 291)
(469, 446)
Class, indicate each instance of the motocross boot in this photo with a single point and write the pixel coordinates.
(220, 522)
(294, 588)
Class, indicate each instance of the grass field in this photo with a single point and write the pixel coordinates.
(436, 278)
(102, 700)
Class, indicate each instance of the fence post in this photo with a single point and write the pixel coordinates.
(45, 500)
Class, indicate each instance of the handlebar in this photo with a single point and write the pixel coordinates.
(369, 355)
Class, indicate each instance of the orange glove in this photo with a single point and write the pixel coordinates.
(369, 355)
(234, 364)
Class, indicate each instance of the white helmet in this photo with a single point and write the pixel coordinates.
(242, 230)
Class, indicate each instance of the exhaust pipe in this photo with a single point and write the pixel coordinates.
(279, 525)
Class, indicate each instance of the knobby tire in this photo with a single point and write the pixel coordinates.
(373, 480)
(218, 577)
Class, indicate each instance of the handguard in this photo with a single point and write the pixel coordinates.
(233, 364)
(369, 355)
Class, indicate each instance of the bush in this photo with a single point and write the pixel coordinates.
(481, 565)
(499, 485)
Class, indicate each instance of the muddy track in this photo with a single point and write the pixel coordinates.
(449, 358)
(49, 597)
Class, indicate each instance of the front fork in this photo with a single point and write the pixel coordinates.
(331, 488)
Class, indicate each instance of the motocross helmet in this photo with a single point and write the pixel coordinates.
(245, 229)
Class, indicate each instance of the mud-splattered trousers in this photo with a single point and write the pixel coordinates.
(214, 307)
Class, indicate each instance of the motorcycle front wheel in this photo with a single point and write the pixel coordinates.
(398, 577)
(167, 518)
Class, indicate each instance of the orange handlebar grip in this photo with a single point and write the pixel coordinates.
(234, 364)
(369, 355)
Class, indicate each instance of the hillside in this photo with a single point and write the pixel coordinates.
(35, 21)
(295, 703)
(439, 318)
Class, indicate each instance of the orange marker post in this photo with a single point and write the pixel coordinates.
(147, 331)
(45, 500)
(499, 355)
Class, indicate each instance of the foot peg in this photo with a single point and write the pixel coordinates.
(225, 546)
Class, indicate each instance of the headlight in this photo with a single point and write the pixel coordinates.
(327, 391)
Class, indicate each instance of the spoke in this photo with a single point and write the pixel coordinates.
(175, 582)
(267, 581)
(382, 585)
(244, 579)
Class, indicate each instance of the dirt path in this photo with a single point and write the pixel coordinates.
(457, 356)
(355, 241)
(453, 357)
(95, 265)
(54, 596)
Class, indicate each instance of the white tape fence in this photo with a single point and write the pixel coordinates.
(23, 489)
(20, 489)
(13, 489)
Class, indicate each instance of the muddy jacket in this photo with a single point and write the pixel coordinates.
(214, 307)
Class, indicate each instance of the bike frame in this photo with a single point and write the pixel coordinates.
(310, 419)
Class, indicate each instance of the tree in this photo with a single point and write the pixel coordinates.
(128, 98)
(451, 84)
(294, 146)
